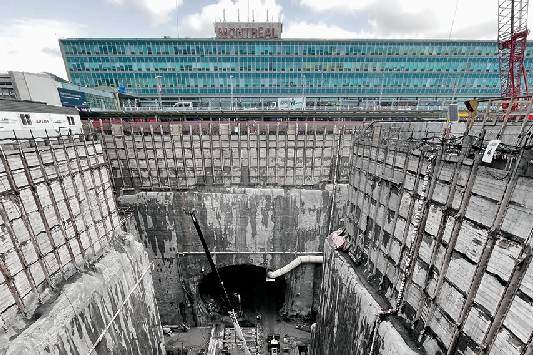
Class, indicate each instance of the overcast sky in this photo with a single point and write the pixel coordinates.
(29, 29)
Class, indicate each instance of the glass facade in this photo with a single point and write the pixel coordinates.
(89, 98)
(6, 86)
(317, 69)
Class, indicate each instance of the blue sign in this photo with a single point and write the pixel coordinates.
(72, 98)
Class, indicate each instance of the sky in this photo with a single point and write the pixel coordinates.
(30, 29)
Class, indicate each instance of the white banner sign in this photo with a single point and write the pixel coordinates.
(291, 103)
(490, 150)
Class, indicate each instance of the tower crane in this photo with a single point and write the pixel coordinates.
(512, 42)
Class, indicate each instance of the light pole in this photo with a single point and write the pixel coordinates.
(158, 78)
(303, 92)
(381, 89)
(231, 85)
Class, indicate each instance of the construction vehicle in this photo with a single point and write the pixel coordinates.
(273, 344)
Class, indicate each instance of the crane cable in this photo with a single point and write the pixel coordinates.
(231, 311)
(453, 19)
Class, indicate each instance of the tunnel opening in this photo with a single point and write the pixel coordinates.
(248, 290)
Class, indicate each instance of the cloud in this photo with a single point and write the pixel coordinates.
(386, 17)
(337, 5)
(158, 10)
(475, 19)
(52, 51)
(304, 29)
(482, 30)
(200, 24)
(32, 45)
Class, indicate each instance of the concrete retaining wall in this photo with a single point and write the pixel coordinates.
(346, 321)
(57, 214)
(166, 155)
(108, 310)
(265, 227)
(467, 287)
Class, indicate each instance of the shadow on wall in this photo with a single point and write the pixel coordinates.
(247, 289)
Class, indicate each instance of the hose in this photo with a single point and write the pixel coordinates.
(305, 259)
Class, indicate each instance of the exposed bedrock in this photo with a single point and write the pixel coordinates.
(266, 227)
(108, 309)
(347, 318)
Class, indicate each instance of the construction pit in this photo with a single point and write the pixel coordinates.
(329, 238)
(252, 221)
(258, 302)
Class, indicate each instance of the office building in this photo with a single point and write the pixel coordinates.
(254, 67)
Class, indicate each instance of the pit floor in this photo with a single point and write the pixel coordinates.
(196, 340)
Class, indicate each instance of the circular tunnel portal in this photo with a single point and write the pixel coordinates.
(248, 291)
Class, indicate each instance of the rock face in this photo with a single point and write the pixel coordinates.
(347, 318)
(57, 215)
(185, 155)
(69, 279)
(266, 227)
(441, 233)
(109, 309)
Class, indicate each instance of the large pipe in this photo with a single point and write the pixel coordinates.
(305, 259)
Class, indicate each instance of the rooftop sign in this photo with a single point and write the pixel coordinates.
(247, 30)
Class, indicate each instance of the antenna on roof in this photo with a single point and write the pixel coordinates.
(177, 21)
(248, 11)
(267, 15)
(238, 15)
(253, 16)
(224, 15)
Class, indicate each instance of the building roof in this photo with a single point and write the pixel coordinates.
(33, 106)
(171, 39)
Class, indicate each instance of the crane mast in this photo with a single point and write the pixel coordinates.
(512, 42)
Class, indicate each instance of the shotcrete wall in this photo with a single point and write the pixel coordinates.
(349, 309)
(181, 155)
(70, 280)
(57, 214)
(108, 310)
(441, 236)
(267, 227)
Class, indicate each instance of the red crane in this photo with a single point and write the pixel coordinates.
(512, 36)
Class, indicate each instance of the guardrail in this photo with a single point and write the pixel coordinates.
(259, 109)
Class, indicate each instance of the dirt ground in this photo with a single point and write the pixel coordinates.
(193, 341)
(196, 340)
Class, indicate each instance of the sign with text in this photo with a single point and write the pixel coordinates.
(490, 150)
(72, 98)
(248, 30)
(291, 103)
